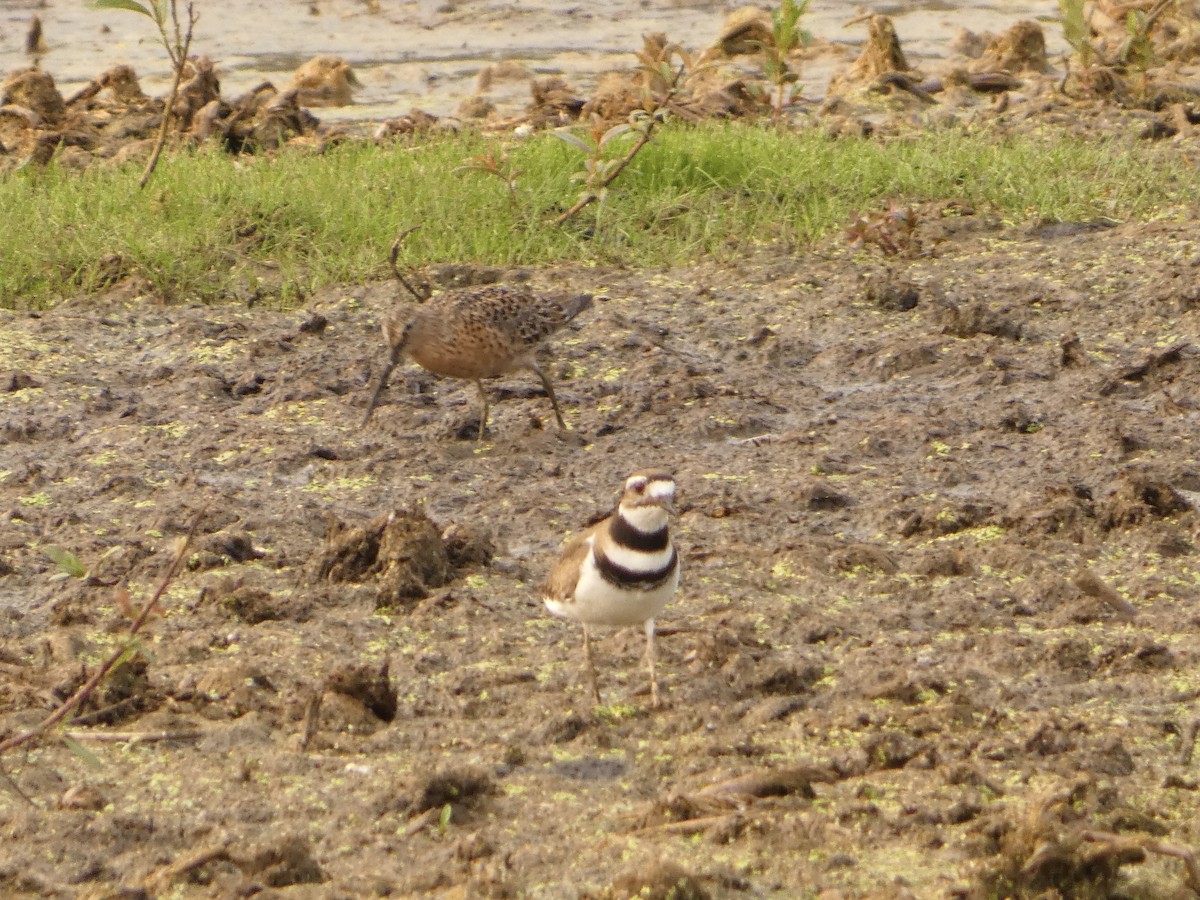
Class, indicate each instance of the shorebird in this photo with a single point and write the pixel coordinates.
(622, 570)
(478, 333)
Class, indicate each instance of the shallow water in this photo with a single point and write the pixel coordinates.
(427, 53)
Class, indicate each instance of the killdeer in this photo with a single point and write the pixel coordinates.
(479, 333)
(622, 570)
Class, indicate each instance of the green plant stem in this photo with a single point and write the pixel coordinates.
(178, 59)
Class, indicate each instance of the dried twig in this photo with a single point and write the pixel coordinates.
(85, 690)
(768, 783)
(1188, 745)
(109, 715)
(1188, 857)
(416, 823)
(157, 881)
(1177, 851)
(16, 788)
(133, 737)
(1092, 585)
(689, 827)
(312, 718)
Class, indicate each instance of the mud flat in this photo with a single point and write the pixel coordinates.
(936, 634)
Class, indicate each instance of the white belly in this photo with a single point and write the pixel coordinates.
(596, 602)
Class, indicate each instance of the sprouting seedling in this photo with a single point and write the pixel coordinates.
(444, 818)
(71, 566)
(663, 79)
(787, 35)
(1137, 51)
(68, 562)
(599, 170)
(131, 644)
(177, 43)
(893, 230)
(162, 13)
(665, 67)
(498, 166)
(1077, 31)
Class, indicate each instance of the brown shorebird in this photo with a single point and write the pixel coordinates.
(622, 570)
(478, 333)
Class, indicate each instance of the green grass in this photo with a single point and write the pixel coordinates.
(213, 227)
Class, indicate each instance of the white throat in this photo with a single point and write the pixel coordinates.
(647, 519)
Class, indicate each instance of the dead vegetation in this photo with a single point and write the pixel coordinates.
(753, 70)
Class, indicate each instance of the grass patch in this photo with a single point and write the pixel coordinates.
(210, 227)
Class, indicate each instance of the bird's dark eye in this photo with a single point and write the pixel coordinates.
(639, 487)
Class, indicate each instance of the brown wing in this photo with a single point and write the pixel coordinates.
(564, 575)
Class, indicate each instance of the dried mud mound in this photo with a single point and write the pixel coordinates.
(937, 632)
(1131, 70)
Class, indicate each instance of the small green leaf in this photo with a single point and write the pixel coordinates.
(131, 5)
(134, 647)
(568, 138)
(615, 132)
(444, 818)
(67, 561)
(88, 757)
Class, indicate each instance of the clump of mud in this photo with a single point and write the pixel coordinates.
(738, 76)
(402, 553)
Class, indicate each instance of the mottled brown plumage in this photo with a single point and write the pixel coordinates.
(479, 333)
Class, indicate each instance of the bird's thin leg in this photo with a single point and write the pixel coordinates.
(483, 416)
(550, 390)
(591, 666)
(650, 662)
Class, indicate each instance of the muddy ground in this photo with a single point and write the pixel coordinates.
(936, 635)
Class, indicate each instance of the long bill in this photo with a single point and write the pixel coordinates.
(393, 360)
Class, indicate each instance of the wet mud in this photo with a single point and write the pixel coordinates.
(936, 634)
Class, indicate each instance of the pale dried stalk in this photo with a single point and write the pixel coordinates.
(133, 737)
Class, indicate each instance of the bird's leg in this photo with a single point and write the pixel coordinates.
(483, 416)
(650, 632)
(550, 390)
(591, 666)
